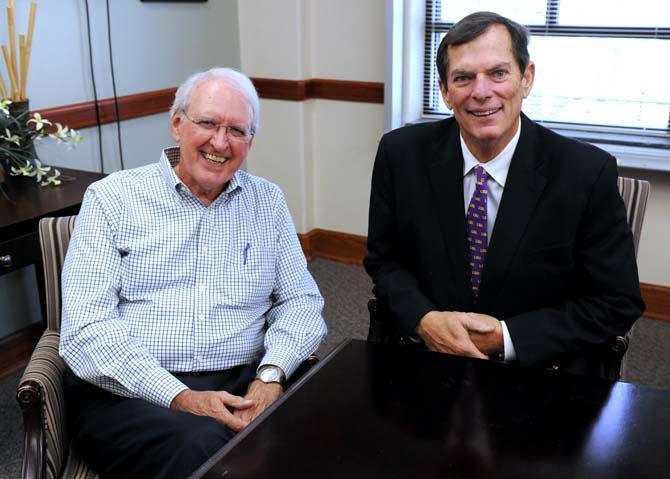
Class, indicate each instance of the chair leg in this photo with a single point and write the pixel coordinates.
(34, 465)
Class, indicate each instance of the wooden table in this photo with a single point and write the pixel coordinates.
(21, 208)
(371, 411)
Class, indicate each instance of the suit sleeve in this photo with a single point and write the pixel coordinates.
(386, 262)
(607, 298)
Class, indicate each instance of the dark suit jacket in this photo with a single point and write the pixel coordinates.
(560, 268)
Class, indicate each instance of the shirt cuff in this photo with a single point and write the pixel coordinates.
(282, 357)
(161, 389)
(510, 354)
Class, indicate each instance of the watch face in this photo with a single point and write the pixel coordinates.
(270, 375)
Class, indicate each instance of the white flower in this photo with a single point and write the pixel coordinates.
(4, 106)
(52, 179)
(23, 170)
(17, 144)
(39, 121)
(75, 137)
(40, 171)
(61, 133)
(11, 138)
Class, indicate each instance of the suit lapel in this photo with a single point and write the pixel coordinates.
(523, 188)
(445, 173)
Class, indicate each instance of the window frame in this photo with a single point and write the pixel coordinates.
(407, 39)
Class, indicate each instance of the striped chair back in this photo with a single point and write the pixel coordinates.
(47, 368)
(54, 239)
(635, 194)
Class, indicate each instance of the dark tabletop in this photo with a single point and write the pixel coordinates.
(24, 201)
(372, 411)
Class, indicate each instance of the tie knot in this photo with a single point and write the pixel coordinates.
(481, 174)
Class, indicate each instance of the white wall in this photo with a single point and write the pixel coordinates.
(154, 45)
(320, 152)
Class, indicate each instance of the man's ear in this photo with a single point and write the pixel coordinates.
(445, 94)
(175, 123)
(527, 79)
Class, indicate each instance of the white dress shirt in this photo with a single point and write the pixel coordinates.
(497, 168)
(154, 281)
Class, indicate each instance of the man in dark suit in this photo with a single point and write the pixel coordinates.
(490, 235)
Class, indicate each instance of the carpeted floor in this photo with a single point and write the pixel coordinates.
(346, 290)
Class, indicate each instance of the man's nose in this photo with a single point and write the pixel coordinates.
(220, 138)
(481, 88)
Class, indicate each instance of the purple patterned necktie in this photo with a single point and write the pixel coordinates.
(477, 236)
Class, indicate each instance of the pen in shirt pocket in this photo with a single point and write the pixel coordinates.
(245, 253)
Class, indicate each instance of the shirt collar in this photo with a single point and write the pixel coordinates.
(170, 159)
(498, 167)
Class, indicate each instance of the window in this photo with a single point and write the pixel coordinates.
(602, 67)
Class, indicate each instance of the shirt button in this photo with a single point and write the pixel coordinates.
(202, 289)
(201, 317)
(198, 359)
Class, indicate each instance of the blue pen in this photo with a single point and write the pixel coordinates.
(245, 253)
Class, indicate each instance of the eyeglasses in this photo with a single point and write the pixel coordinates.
(233, 133)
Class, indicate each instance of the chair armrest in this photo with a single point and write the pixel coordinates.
(375, 333)
(305, 366)
(381, 331)
(40, 396)
(615, 349)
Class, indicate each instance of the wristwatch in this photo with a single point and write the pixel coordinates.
(271, 374)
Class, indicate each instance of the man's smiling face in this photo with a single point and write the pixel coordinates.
(485, 89)
(208, 159)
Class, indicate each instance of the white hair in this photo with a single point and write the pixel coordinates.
(235, 79)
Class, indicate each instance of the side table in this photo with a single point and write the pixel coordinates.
(22, 205)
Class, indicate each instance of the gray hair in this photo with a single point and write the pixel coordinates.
(233, 78)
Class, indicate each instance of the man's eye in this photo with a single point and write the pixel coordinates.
(236, 132)
(460, 79)
(207, 124)
(500, 74)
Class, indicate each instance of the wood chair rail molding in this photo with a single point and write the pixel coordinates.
(82, 115)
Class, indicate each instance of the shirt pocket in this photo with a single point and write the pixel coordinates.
(250, 277)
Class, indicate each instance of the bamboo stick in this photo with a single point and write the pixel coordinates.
(3, 89)
(31, 26)
(11, 73)
(11, 24)
(24, 67)
(29, 44)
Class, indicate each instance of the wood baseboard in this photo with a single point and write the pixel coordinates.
(15, 349)
(657, 299)
(350, 249)
(333, 245)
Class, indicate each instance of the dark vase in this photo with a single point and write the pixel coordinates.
(19, 110)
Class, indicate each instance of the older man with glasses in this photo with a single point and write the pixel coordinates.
(186, 296)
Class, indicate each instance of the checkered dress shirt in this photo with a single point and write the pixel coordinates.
(154, 281)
